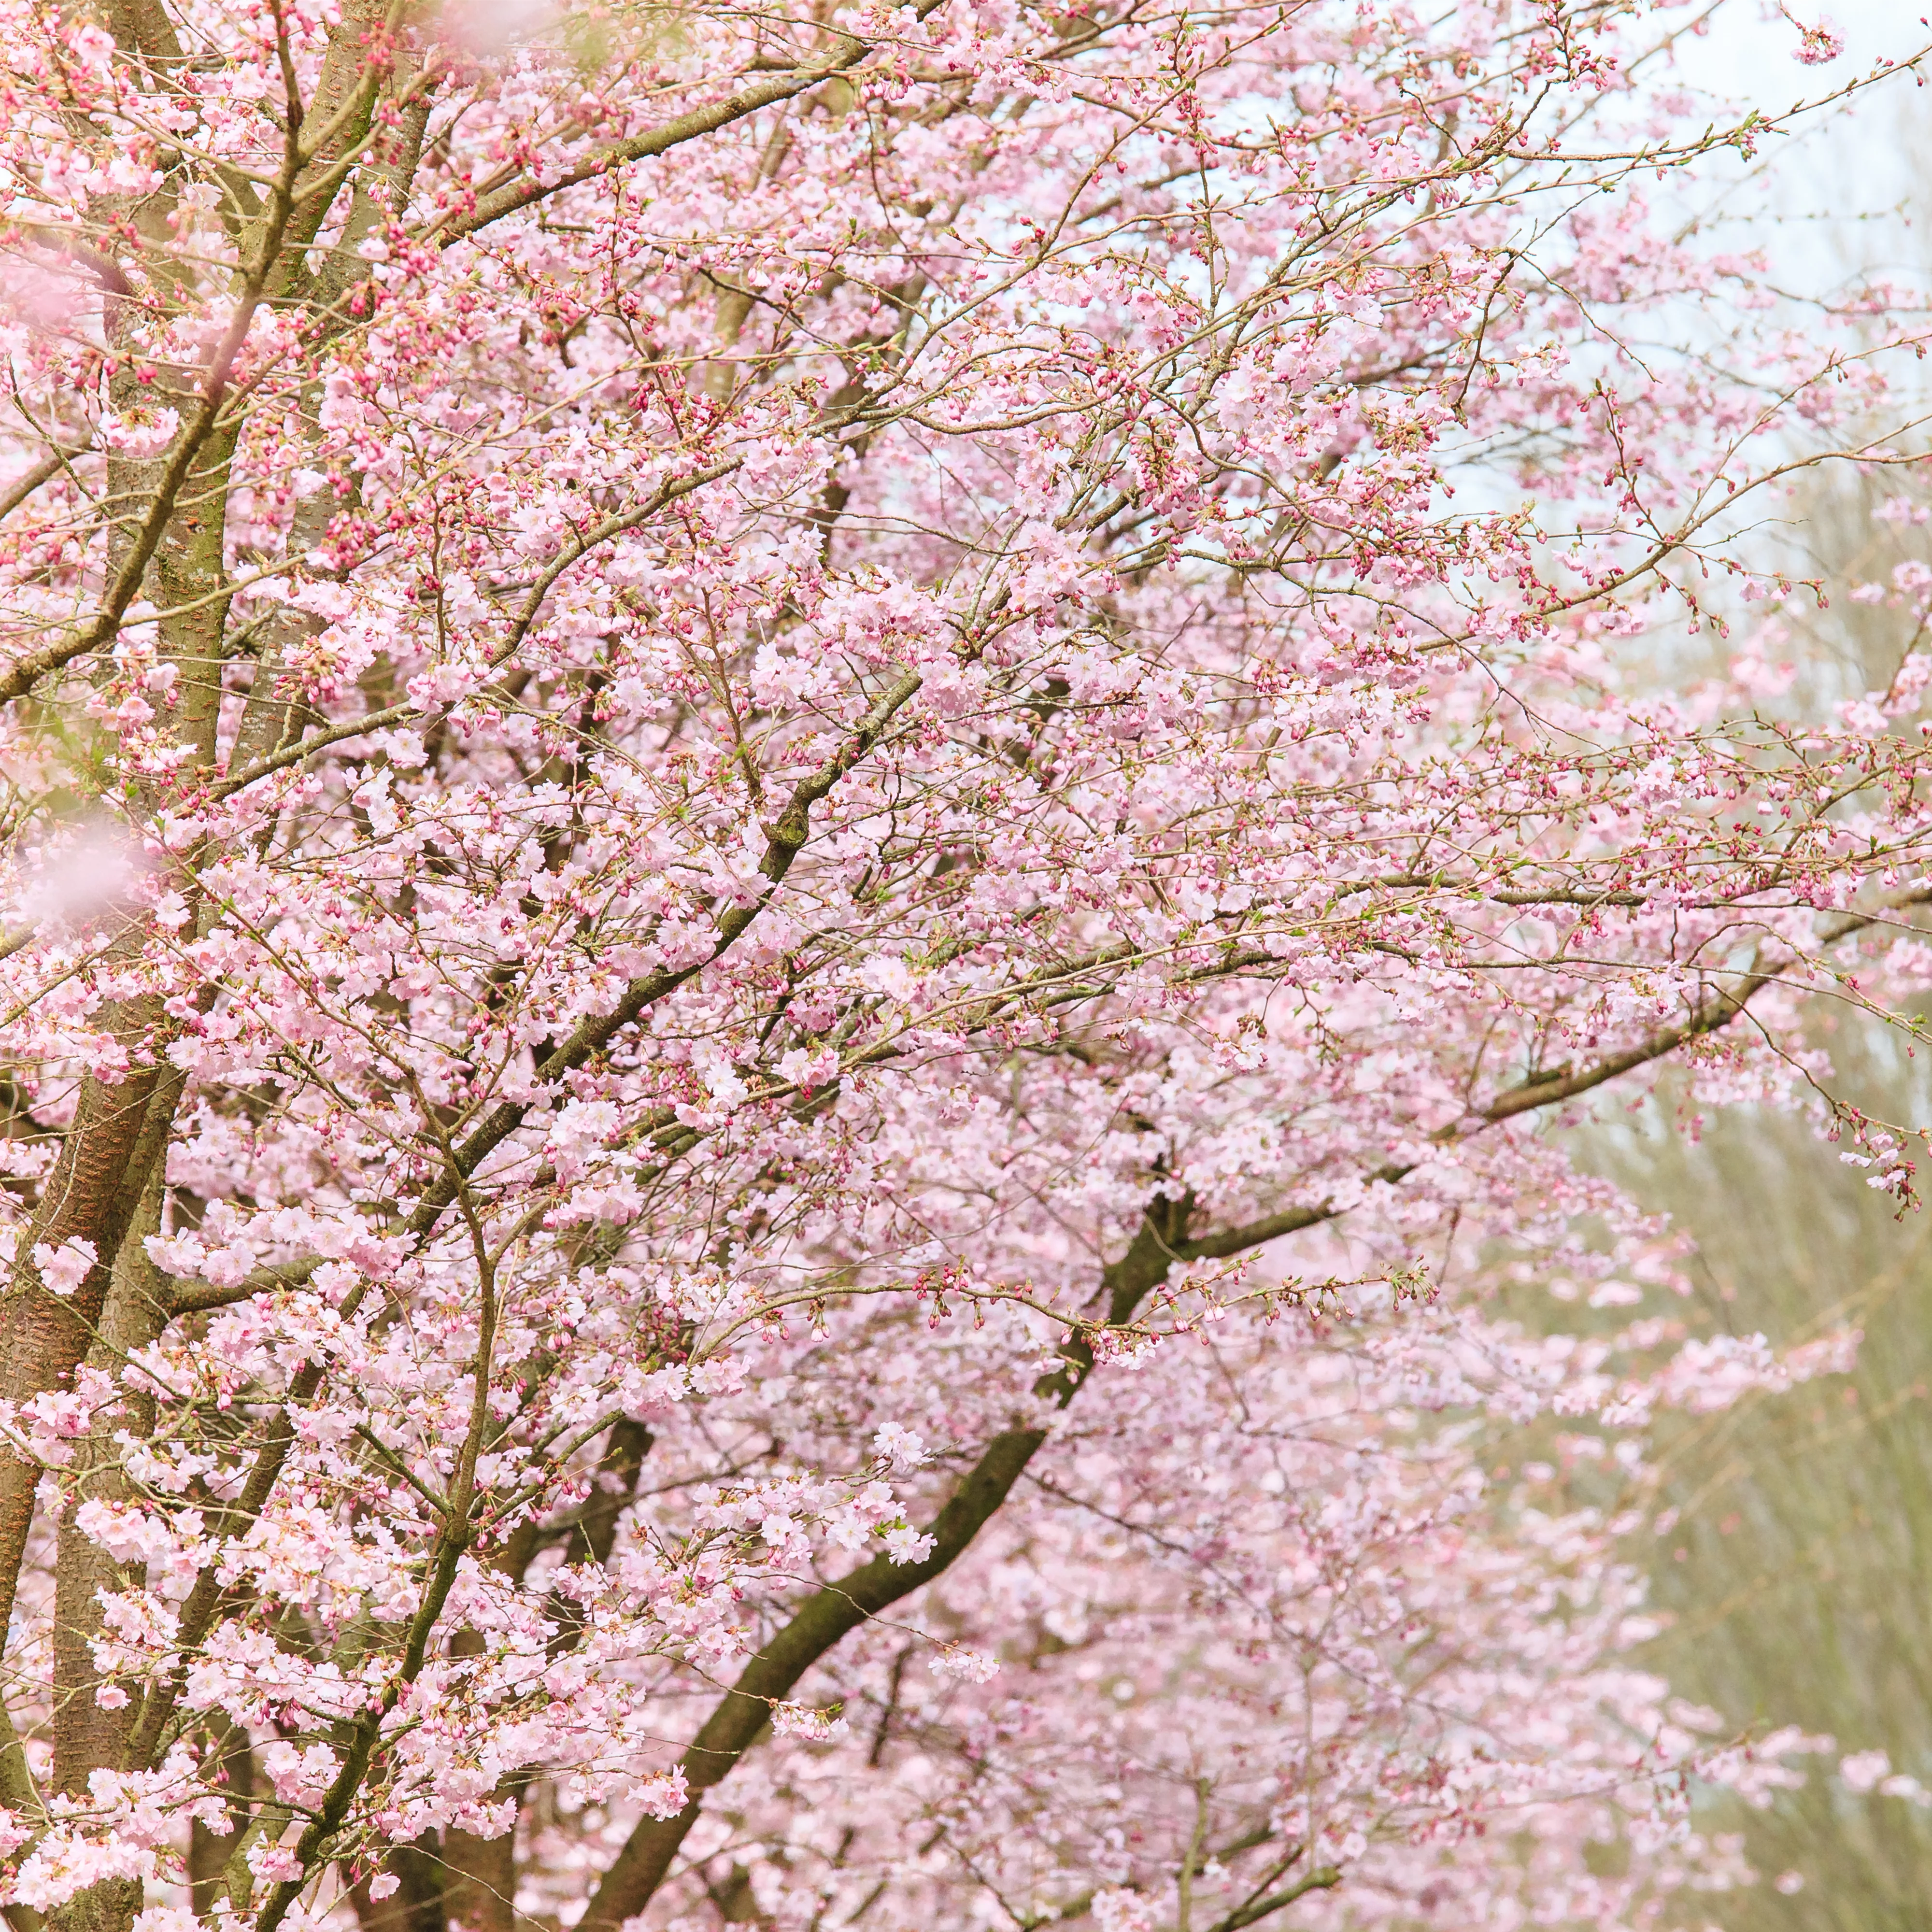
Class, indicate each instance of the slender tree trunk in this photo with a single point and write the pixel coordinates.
(209, 1851)
(91, 1733)
(482, 1891)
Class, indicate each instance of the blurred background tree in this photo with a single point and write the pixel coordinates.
(1797, 1578)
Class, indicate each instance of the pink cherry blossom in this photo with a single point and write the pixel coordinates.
(810, 818)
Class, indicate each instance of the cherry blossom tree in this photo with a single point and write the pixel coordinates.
(807, 814)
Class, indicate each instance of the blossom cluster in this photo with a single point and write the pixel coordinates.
(807, 815)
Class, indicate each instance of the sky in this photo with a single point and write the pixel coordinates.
(1839, 196)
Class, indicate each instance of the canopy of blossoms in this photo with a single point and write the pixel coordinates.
(808, 815)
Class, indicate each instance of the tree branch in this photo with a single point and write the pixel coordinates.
(829, 1614)
(1323, 1878)
(493, 207)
